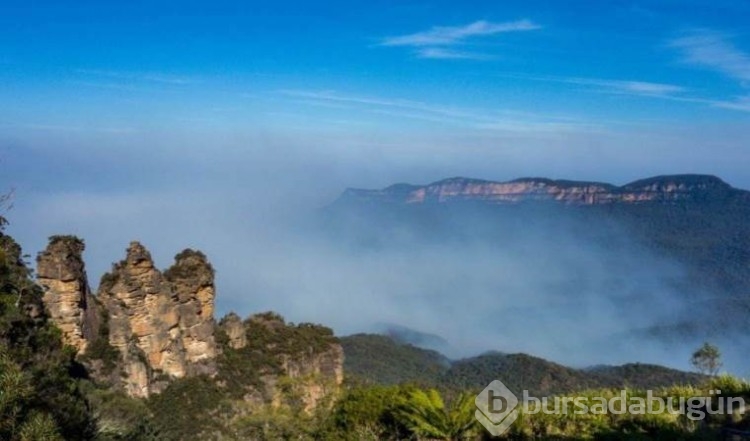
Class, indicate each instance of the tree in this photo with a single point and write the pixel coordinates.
(426, 415)
(40, 393)
(707, 359)
(20, 419)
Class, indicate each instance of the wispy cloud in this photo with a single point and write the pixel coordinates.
(741, 104)
(647, 89)
(153, 77)
(714, 51)
(332, 96)
(484, 119)
(71, 128)
(127, 87)
(448, 35)
(436, 42)
(626, 87)
(641, 88)
(439, 53)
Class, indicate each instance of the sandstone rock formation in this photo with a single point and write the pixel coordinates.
(300, 364)
(232, 326)
(318, 375)
(657, 189)
(145, 328)
(162, 325)
(192, 281)
(67, 297)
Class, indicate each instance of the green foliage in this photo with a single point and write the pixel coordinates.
(642, 376)
(425, 414)
(50, 380)
(730, 386)
(188, 271)
(517, 371)
(381, 360)
(39, 427)
(20, 415)
(121, 418)
(75, 243)
(100, 348)
(188, 409)
(367, 410)
(270, 341)
(269, 424)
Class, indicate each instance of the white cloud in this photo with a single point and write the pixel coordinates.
(435, 43)
(628, 87)
(741, 104)
(643, 88)
(439, 53)
(713, 51)
(448, 35)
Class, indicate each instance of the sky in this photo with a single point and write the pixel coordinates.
(531, 87)
(209, 124)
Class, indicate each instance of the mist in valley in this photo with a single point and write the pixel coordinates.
(553, 285)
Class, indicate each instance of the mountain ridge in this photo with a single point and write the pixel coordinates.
(382, 359)
(661, 188)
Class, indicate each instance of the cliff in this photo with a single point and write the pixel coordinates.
(162, 324)
(656, 189)
(145, 329)
(62, 275)
(192, 281)
(267, 360)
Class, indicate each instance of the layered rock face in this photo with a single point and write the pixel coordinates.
(306, 358)
(67, 297)
(146, 328)
(657, 189)
(233, 327)
(161, 324)
(320, 374)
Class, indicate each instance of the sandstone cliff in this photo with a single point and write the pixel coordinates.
(61, 273)
(291, 365)
(234, 329)
(657, 189)
(192, 281)
(162, 325)
(146, 328)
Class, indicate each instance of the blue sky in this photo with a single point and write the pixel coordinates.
(213, 124)
(97, 66)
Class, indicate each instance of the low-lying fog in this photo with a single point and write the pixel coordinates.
(540, 290)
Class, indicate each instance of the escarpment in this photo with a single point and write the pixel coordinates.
(659, 189)
(145, 329)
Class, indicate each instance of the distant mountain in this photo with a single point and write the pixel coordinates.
(698, 222)
(406, 335)
(674, 188)
(382, 360)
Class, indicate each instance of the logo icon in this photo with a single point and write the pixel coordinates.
(496, 408)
